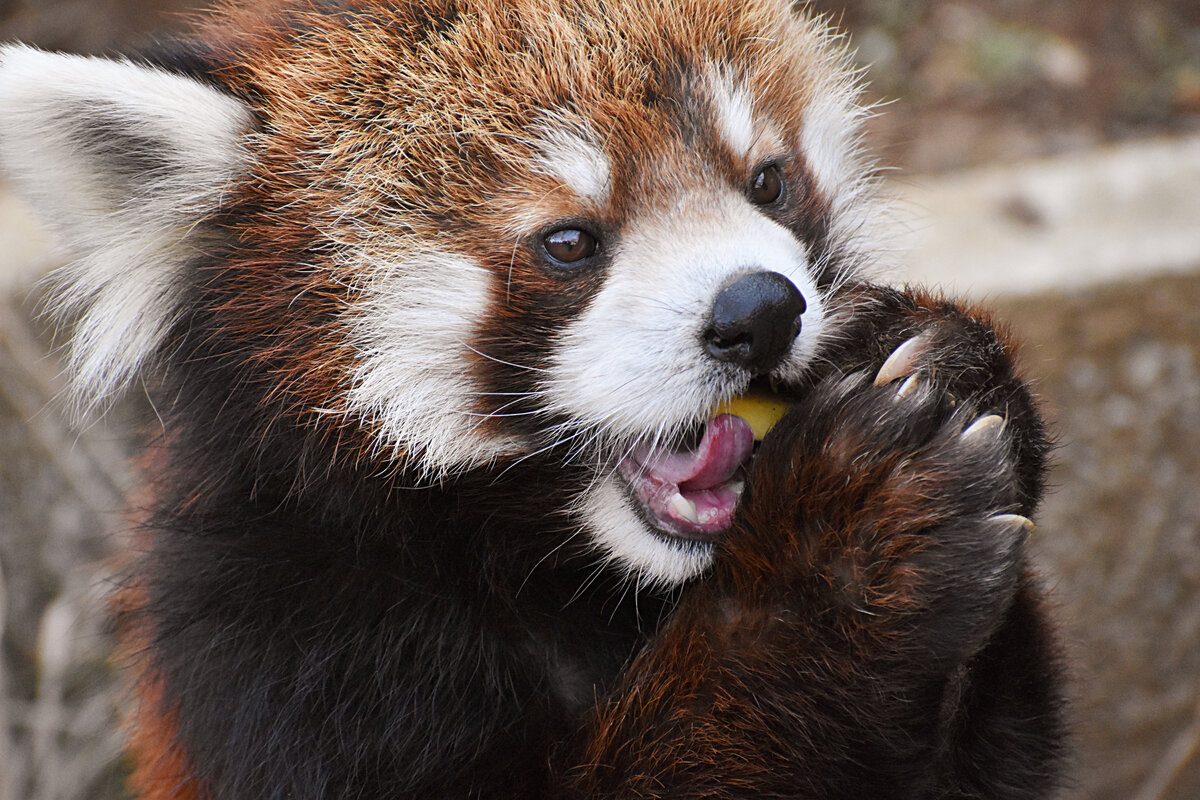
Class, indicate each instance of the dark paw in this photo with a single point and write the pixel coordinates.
(970, 361)
(890, 505)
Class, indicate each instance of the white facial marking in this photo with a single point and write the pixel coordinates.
(734, 108)
(410, 327)
(829, 139)
(633, 362)
(634, 366)
(623, 539)
(577, 161)
(123, 160)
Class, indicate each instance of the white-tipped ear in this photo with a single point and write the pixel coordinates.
(124, 161)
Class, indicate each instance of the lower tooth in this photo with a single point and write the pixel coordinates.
(685, 508)
(737, 487)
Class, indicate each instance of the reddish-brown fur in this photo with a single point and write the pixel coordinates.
(161, 769)
(317, 176)
(313, 611)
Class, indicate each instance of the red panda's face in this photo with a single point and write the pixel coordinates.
(543, 230)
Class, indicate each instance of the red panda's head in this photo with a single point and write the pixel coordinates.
(457, 235)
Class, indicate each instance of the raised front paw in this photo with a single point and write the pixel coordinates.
(964, 354)
(887, 506)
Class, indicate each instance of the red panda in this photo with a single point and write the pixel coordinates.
(438, 303)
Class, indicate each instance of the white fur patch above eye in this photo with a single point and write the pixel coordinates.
(410, 327)
(124, 161)
(829, 139)
(577, 161)
(734, 109)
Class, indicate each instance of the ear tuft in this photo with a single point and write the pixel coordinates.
(125, 162)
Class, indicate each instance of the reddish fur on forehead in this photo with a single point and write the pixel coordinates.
(417, 110)
(394, 126)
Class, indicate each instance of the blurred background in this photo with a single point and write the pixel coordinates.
(1047, 163)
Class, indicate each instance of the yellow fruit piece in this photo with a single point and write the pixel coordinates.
(761, 411)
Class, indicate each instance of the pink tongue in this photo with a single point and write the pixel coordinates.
(727, 444)
(692, 493)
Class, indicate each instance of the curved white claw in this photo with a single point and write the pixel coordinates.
(902, 360)
(983, 425)
(1016, 520)
(907, 387)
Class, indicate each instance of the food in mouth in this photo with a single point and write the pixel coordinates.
(761, 411)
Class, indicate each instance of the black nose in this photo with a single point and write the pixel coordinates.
(754, 321)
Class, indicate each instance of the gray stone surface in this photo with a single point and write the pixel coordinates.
(1130, 210)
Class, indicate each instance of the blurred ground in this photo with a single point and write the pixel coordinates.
(1118, 538)
(60, 497)
(1115, 354)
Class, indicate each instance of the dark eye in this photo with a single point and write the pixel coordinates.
(569, 246)
(767, 186)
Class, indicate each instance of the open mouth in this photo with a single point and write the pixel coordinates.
(692, 491)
